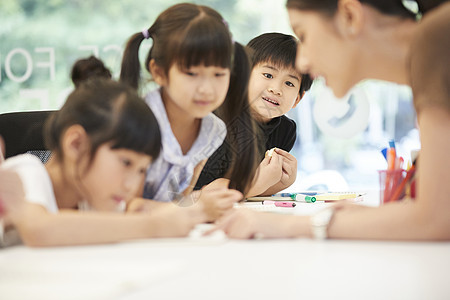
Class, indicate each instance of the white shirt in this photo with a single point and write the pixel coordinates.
(36, 182)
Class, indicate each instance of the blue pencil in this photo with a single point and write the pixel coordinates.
(384, 152)
(392, 144)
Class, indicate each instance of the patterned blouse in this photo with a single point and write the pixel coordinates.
(171, 173)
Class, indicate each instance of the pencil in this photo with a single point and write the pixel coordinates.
(401, 187)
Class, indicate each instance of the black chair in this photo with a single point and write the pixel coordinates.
(22, 132)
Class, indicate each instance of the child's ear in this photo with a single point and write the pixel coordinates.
(75, 142)
(350, 17)
(297, 100)
(158, 73)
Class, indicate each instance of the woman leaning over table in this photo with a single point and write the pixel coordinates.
(346, 41)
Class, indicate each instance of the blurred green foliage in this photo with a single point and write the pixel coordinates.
(75, 29)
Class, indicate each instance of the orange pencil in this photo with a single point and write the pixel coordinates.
(400, 188)
(391, 158)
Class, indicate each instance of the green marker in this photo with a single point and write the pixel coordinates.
(306, 198)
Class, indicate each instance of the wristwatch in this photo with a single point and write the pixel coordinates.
(320, 222)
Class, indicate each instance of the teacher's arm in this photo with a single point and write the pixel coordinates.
(425, 218)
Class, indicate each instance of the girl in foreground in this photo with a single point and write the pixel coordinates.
(346, 41)
(102, 141)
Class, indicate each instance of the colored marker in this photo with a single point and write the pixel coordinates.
(285, 204)
(294, 195)
(268, 202)
(391, 157)
(399, 163)
(384, 152)
(279, 203)
(400, 188)
(392, 144)
(310, 193)
(284, 195)
(306, 198)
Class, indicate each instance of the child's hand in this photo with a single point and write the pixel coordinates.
(215, 202)
(289, 167)
(246, 224)
(270, 169)
(289, 173)
(269, 173)
(170, 220)
(12, 196)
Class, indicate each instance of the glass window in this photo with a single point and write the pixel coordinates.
(342, 138)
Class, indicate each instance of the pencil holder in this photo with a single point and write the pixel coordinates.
(390, 181)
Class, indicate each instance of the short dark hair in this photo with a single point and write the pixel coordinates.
(279, 49)
(86, 68)
(109, 112)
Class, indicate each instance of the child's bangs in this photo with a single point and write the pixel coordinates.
(276, 57)
(206, 44)
(282, 64)
(276, 48)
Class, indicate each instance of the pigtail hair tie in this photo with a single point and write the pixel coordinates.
(145, 33)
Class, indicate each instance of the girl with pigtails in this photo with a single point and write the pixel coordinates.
(199, 70)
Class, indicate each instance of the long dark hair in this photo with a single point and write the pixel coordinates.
(189, 35)
(242, 132)
(109, 112)
(389, 7)
(186, 34)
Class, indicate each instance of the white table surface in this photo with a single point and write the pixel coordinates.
(219, 268)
